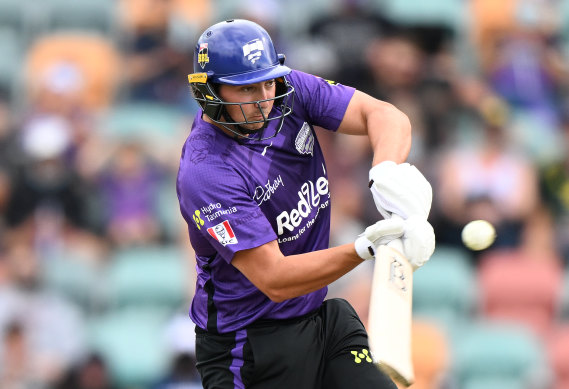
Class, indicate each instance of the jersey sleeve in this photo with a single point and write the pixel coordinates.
(221, 211)
(324, 101)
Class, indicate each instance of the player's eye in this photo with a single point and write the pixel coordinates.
(270, 83)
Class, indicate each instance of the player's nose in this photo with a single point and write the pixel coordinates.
(263, 103)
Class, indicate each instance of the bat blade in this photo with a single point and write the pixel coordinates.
(390, 315)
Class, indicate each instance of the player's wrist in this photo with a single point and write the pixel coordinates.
(380, 170)
(364, 248)
(382, 232)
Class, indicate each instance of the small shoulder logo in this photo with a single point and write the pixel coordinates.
(360, 356)
(203, 58)
(253, 50)
(197, 219)
(223, 233)
(304, 141)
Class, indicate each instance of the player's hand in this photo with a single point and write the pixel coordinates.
(400, 189)
(418, 241)
(380, 233)
(416, 235)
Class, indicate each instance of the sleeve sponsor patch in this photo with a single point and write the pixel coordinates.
(223, 233)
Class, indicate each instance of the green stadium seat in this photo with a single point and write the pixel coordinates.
(156, 277)
(145, 121)
(447, 13)
(169, 216)
(82, 15)
(492, 355)
(12, 15)
(76, 279)
(11, 52)
(444, 290)
(563, 13)
(133, 344)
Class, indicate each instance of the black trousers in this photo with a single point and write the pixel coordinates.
(326, 349)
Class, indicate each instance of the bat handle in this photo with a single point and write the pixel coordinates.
(396, 244)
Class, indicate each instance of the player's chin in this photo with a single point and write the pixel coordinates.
(253, 126)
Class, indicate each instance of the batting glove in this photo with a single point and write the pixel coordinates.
(418, 241)
(380, 233)
(400, 189)
(415, 239)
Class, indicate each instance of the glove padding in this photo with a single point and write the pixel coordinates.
(416, 234)
(418, 241)
(400, 189)
(380, 233)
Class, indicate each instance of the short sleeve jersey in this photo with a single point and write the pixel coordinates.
(237, 195)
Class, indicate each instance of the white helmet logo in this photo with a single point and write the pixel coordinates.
(253, 50)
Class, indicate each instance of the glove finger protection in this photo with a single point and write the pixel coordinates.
(418, 241)
(380, 233)
(400, 189)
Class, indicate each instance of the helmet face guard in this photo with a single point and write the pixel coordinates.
(240, 52)
(216, 109)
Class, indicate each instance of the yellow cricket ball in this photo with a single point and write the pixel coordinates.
(478, 235)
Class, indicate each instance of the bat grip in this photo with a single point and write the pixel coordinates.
(396, 244)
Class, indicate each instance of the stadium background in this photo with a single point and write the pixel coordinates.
(96, 270)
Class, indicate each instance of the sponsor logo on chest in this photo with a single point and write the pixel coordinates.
(312, 195)
(264, 192)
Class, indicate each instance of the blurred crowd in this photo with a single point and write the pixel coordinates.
(96, 270)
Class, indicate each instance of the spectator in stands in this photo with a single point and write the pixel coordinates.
(90, 373)
(155, 62)
(347, 31)
(129, 185)
(486, 180)
(43, 333)
(180, 340)
(555, 191)
(46, 185)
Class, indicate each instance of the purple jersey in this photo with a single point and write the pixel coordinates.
(239, 195)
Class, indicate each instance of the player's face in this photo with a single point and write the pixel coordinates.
(257, 94)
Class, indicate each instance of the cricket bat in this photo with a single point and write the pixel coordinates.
(390, 315)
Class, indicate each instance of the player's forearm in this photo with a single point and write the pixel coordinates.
(283, 277)
(300, 274)
(389, 131)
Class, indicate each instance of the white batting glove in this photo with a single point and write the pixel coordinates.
(416, 236)
(418, 241)
(400, 189)
(380, 233)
